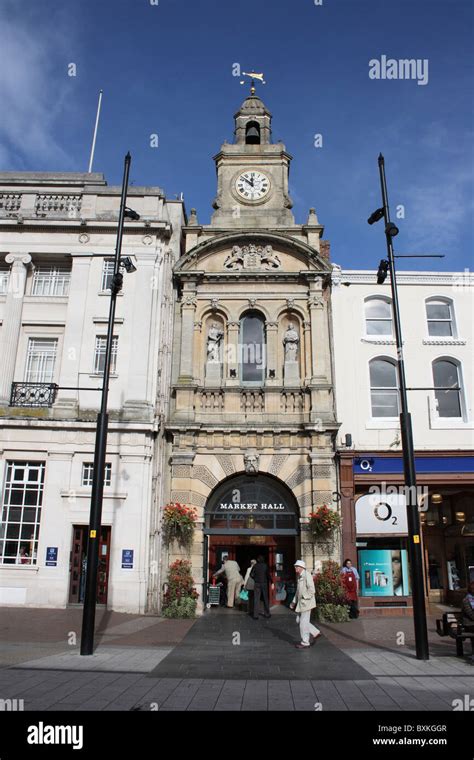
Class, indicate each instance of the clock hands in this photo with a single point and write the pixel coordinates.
(248, 181)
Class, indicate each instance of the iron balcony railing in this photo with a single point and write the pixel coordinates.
(33, 394)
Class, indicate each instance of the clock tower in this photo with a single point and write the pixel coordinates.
(252, 422)
(252, 173)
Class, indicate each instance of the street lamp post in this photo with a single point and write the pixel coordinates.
(90, 596)
(413, 518)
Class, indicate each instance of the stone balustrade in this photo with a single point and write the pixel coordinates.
(260, 404)
(10, 204)
(58, 205)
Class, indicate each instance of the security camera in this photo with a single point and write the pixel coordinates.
(128, 264)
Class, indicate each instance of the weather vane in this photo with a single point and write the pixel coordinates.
(253, 75)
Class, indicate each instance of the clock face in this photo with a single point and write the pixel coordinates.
(252, 185)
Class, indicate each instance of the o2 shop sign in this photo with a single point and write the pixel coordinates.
(381, 513)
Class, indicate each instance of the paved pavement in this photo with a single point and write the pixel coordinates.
(144, 663)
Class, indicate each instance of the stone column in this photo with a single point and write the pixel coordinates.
(320, 365)
(232, 357)
(67, 401)
(10, 334)
(188, 310)
(138, 396)
(272, 354)
(307, 351)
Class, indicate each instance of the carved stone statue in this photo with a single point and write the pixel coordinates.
(214, 338)
(235, 260)
(291, 341)
(251, 462)
(270, 259)
(252, 257)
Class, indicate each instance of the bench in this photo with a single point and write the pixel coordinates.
(451, 625)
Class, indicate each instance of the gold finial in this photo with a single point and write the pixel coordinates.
(253, 75)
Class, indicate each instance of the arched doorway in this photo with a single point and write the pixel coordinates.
(247, 515)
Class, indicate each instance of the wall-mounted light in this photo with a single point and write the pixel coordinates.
(437, 498)
(376, 216)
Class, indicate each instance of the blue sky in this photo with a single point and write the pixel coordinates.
(167, 69)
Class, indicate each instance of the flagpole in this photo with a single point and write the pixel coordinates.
(95, 131)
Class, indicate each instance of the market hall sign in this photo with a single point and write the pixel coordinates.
(254, 497)
(253, 507)
(244, 495)
(256, 504)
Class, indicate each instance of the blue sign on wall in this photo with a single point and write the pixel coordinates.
(51, 556)
(376, 465)
(127, 559)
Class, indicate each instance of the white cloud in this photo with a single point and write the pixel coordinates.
(33, 86)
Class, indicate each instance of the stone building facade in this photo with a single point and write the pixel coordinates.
(436, 311)
(252, 419)
(57, 242)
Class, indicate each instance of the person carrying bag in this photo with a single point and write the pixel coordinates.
(249, 586)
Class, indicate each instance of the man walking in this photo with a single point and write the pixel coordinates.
(303, 603)
(234, 580)
(261, 576)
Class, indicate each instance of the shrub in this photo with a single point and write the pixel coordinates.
(180, 597)
(181, 608)
(332, 613)
(328, 585)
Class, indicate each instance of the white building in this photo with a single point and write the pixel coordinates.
(437, 316)
(57, 241)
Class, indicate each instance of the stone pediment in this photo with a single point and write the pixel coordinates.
(248, 252)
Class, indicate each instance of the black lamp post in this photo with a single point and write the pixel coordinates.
(413, 518)
(90, 596)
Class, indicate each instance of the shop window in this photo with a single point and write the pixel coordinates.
(448, 397)
(383, 388)
(378, 316)
(383, 568)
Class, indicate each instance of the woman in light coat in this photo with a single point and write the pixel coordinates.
(303, 603)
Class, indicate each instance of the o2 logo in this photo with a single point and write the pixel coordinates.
(383, 512)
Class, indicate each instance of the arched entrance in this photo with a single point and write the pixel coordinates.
(247, 515)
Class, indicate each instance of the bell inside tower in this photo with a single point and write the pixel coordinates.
(252, 133)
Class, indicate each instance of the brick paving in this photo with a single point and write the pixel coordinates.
(372, 667)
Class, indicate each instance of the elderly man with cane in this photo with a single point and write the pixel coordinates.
(303, 602)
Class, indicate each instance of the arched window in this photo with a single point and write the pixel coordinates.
(446, 377)
(439, 314)
(378, 316)
(252, 353)
(252, 133)
(383, 388)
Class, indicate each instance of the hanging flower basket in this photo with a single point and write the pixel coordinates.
(179, 523)
(323, 522)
